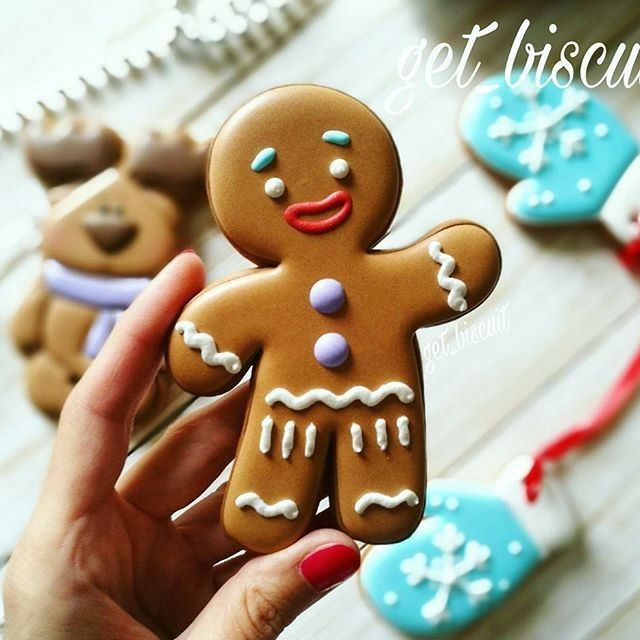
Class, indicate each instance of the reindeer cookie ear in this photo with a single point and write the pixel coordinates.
(564, 148)
(71, 151)
(172, 163)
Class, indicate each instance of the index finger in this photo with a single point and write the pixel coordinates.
(97, 418)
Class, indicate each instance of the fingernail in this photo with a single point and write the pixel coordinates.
(328, 566)
(186, 251)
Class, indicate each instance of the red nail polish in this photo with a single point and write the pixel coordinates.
(328, 566)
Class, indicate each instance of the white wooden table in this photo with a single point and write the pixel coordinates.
(573, 313)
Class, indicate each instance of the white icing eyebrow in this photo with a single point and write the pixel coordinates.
(263, 159)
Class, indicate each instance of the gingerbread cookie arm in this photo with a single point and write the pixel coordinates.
(449, 272)
(217, 336)
(28, 322)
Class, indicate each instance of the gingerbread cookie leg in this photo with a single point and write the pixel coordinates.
(276, 479)
(48, 383)
(380, 458)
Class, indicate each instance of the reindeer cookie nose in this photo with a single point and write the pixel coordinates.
(109, 230)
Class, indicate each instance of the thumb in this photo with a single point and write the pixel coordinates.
(269, 592)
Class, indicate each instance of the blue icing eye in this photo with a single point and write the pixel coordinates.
(567, 149)
(340, 138)
(462, 561)
(263, 159)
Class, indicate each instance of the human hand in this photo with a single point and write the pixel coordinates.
(102, 557)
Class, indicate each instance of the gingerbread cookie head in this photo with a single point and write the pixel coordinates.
(123, 220)
(298, 162)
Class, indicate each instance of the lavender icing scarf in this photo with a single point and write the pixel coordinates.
(109, 294)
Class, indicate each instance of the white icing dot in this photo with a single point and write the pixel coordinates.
(503, 584)
(601, 130)
(436, 501)
(339, 168)
(547, 197)
(553, 28)
(390, 598)
(514, 548)
(584, 185)
(274, 187)
(495, 102)
(533, 200)
(451, 503)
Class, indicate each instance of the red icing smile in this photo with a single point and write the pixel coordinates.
(293, 214)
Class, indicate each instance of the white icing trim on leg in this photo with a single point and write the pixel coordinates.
(388, 502)
(265, 434)
(368, 397)
(404, 436)
(288, 438)
(205, 343)
(356, 438)
(456, 288)
(286, 508)
(310, 440)
(381, 434)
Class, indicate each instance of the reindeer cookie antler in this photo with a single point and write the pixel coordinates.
(71, 151)
(174, 164)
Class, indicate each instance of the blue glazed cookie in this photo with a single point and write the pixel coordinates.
(476, 544)
(564, 148)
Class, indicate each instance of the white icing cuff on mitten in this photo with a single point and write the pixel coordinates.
(550, 521)
(621, 210)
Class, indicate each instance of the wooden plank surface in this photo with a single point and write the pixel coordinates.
(571, 314)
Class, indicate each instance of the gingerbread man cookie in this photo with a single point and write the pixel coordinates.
(113, 224)
(304, 181)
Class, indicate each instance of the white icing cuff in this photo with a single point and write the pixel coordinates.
(286, 508)
(550, 520)
(406, 496)
(622, 208)
(205, 343)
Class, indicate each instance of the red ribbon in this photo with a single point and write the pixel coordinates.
(612, 404)
(629, 255)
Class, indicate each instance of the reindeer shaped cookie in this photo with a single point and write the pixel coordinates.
(304, 181)
(113, 224)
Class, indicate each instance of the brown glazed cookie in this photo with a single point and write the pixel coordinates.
(103, 240)
(304, 181)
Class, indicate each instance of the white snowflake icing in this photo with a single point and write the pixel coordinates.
(448, 571)
(542, 125)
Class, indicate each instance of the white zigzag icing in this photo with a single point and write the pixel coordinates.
(457, 289)
(368, 397)
(286, 508)
(388, 502)
(207, 347)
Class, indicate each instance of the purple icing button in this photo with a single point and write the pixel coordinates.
(331, 350)
(327, 296)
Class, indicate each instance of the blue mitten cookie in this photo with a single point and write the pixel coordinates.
(476, 544)
(566, 151)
